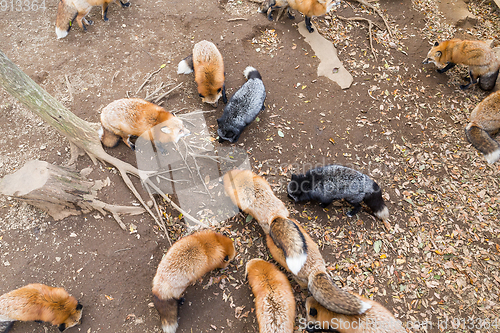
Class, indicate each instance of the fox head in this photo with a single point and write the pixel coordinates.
(170, 130)
(298, 188)
(434, 55)
(74, 318)
(229, 251)
(211, 94)
(227, 134)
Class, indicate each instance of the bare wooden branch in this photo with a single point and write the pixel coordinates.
(150, 75)
(378, 11)
(78, 131)
(237, 19)
(168, 92)
(370, 24)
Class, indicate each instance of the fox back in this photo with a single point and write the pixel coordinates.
(253, 195)
(38, 302)
(376, 319)
(133, 117)
(274, 301)
(243, 107)
(209, 71)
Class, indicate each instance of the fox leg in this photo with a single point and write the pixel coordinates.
(224, 97)
(129, 142)
(289, 13)
(472, 80)
(308, 24)
(448, 67)
(355, 209)
(125, 4)
(324, 204)
(105, 11)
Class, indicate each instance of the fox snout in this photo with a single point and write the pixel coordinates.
(426, 61)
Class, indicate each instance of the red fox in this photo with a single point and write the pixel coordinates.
(184, 263)
(484, 122)
(478, 55)
(68, 10)
(313, 276)
(38, 302)
(208, 66)
(130, 117)
(274, 301)
(253, 195)
(309, 8)
(375, 320)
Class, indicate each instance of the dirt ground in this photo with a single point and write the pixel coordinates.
(400, 122)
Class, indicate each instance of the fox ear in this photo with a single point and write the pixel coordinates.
(166, 130)
(62, 327)
(438, 53)
(313, 312)
(436, 44)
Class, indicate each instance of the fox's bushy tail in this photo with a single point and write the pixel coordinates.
(483, 142)
(326, 292)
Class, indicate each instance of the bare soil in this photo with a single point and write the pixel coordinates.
(400, 122)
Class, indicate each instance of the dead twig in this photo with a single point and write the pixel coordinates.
(237, 19)
(150, 75)
(70, 90)
(370, 24)
(168, 92)
(149, 97)
(378, 11)
(257, 1)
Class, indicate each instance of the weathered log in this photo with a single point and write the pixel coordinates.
(59, 191)
(79, 132)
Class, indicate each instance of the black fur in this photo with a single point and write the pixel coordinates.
(242, 109)
(335, 182)
(449, 66)
(309, 25)
(5, 326)
(62, 327)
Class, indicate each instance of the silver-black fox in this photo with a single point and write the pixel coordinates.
(243, 107)
(336, 182)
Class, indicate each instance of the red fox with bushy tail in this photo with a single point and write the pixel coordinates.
(208, 66)
(38, 302)
(309, 8)
(68, 10)
(377, 319)
(131, 117)
(485, 123)
(274, 301)
(184, 263)
(482, 60)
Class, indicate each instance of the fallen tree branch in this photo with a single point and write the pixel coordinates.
(370, 24)
(78, 131)
(378, 11)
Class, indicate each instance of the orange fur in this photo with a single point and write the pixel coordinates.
(184, 263)
(314, 276)
(274, 301)
(68, 10)
(42, 303)
(209, 71)
(377, 319)
(484, 124)
(126, 118)
(311, 8)
(478, 55)
(253, 195)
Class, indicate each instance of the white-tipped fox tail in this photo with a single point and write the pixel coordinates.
(295, 263)
(61, 33)
(184, 68)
